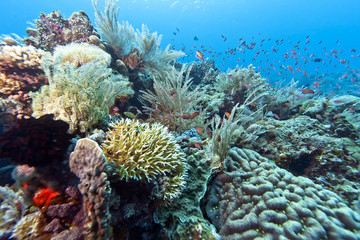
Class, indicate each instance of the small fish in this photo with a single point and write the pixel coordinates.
(338, 101)
(318, 116)
(317, 60)
(306, 91)
(317, 84)
(172, 92)
(276, 116)
(290, 69)
(199, 55)
(188, 116)
(227, 114)
(130, 115)
(208, 132)
(198, 130)
(196, 38)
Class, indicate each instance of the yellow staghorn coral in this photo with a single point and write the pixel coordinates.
(146, 152)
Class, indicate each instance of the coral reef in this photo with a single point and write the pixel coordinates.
(20, 57)
(20, 73)
(173, 103)
(240, 79)
(255, 199)
(146, 152)
(79, 54)
(306, 147)
(139, 50)
(52, 30)
(27, 228)
(181, 219)
(80, 96)
(12, 208)
(88, 162)
(35, 142)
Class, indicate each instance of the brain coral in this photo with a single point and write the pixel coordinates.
(145, 152)
(255, 199)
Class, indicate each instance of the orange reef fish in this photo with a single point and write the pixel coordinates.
(306, 91)
(188, 116)
(199, 55)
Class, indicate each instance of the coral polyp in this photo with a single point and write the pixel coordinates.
(145, 152)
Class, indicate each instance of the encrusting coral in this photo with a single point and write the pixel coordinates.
(87, 161)
(145, 152)
(255, 199)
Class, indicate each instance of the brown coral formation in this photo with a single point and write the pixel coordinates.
(88, 162)
(20, 57)
(52, 30)
(20, 73)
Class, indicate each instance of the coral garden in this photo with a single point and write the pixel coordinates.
(105, 135)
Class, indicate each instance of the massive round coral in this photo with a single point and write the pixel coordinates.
(145, 152)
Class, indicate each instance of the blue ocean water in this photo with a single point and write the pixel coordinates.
(324, 30)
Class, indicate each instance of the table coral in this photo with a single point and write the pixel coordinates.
(255, 199)
(145, 152)
(88, 162)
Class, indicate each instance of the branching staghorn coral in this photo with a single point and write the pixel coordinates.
(145, 152)
(80, 96)
(172, 101)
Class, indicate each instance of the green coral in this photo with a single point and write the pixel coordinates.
(80, 96)
(146, 152)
